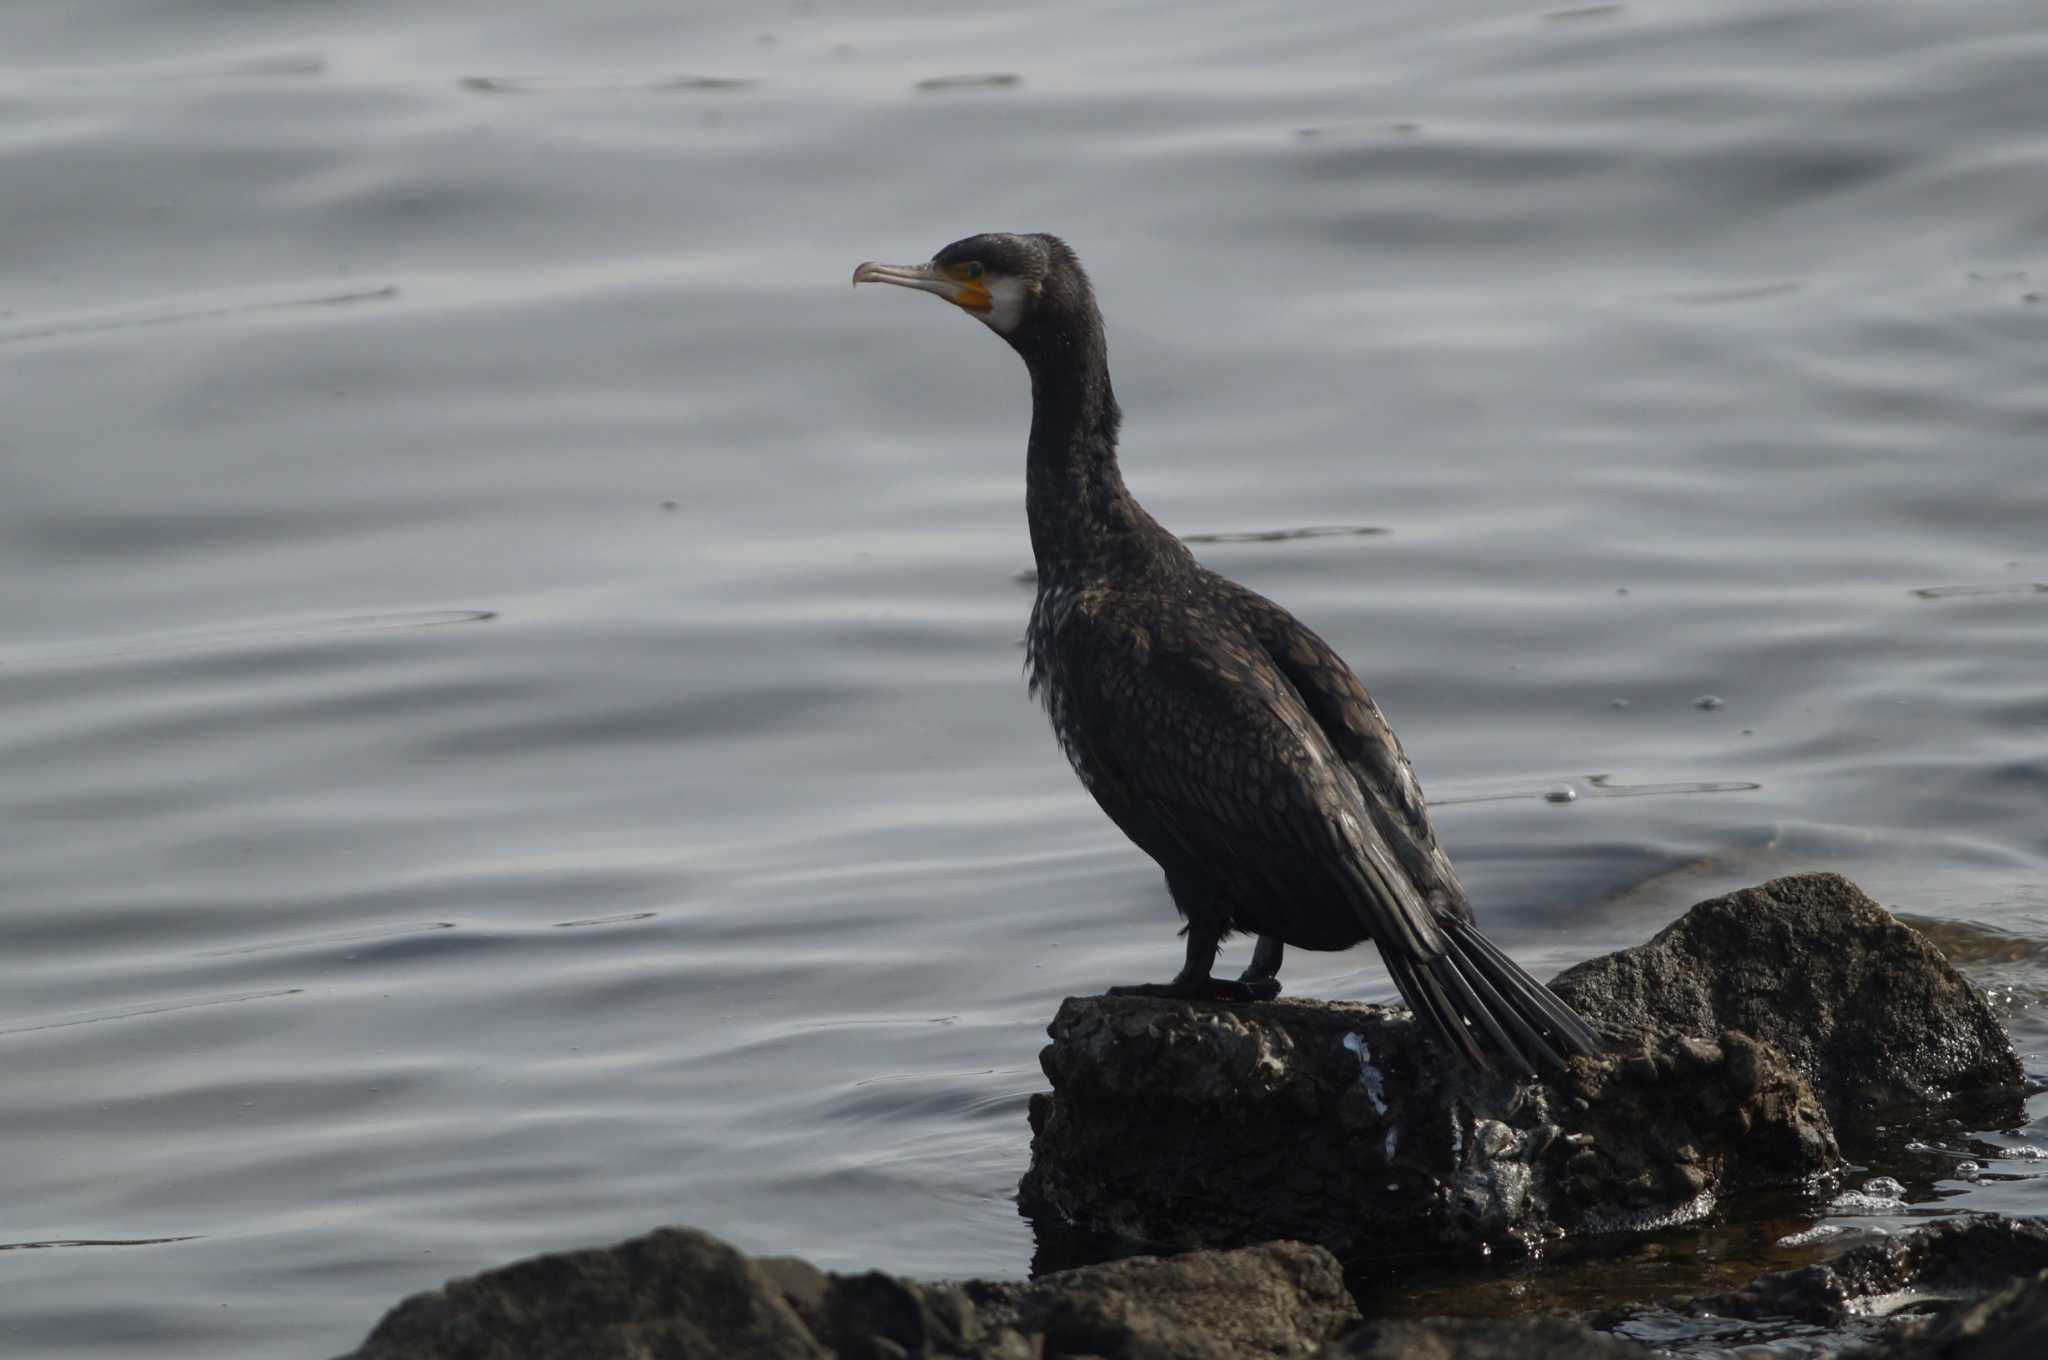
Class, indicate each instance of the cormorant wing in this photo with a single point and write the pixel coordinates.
(1359, 733)
(1520, 1019)
(1198, 735)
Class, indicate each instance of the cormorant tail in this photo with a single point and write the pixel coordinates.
(1423, 990)
(1487, 1008)
(1536, 1002)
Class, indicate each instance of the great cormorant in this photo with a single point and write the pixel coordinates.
(1225, 738)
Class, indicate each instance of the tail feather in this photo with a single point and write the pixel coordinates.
(1491, 1012)
(1497, 1014)
(1536, 1002)
(1425, 996)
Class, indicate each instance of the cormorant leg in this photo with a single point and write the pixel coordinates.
(1262, 976)
(1194, 982)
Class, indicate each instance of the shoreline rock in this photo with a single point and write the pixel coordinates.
(1962, 1289)
(1189, 1124)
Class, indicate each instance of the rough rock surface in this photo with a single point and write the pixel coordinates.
(1214, 1125)
(1198, 1124)
(1482, 1339)
(1863, 1005)
(679, 1294)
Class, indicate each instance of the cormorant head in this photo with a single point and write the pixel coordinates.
(1015, 285)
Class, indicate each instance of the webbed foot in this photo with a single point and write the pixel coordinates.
(1260, 988)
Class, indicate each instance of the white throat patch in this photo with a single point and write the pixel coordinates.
(1007, 297)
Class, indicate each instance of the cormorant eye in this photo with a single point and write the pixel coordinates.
(974, 270)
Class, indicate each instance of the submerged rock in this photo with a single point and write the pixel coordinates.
(683, 1293)
(1959, 1258)
(1861, 1003)
(1195, 1124)
(1961, 1289)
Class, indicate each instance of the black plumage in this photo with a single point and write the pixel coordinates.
(1222, 735)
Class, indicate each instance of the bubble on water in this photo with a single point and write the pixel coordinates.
(1855, 1203)
(1819, 1232)
(1885, 1186)
(1561, 796)
(1709, 702)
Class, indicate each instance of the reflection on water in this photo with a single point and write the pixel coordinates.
(1614, 358)
(654, 85)
(174, 315)
(995, 81)
(34, 1026)
(229, 639)
(1992, 588)
(1286, 535)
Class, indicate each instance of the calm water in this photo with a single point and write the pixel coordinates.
(511, 716)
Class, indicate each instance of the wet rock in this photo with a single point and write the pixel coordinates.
(1963, 1289)
(1959, 1258)
(1482, 1339)
(682, 1293)
(1196, 1124)
(1862, 1004)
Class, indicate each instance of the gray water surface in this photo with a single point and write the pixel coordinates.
(509, 682)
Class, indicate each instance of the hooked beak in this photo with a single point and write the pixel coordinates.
(969, 294)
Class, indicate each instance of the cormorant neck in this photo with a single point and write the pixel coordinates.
(1083, 520)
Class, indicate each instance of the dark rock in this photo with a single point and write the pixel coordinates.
(876, 1316)
(2011, 1324)
(803, 1287)
(675, 1292)
(1198, 1124)
(1863, 1005)
(1279, 1299)
(679, 1294)
(1482, 1339)
(1958, 1258)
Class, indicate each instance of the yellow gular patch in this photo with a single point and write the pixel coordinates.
(974, 296)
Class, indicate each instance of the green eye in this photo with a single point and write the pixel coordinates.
(974, 270)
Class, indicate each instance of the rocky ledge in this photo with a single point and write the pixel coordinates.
(1978, 1291)
(1738, 1036)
